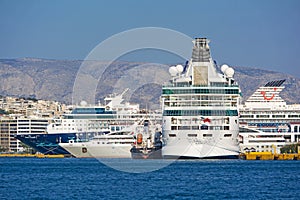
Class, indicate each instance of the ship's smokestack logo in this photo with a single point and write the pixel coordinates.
(268, 98)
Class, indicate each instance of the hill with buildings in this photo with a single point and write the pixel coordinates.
(54, 79)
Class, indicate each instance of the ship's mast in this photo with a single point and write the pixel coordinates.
(201, 51)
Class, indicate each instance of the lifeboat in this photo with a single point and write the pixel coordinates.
(139, 139)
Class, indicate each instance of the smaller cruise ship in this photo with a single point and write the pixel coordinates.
(117, 144)
(273, 122)
(111, 145)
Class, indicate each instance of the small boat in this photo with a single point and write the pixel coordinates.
(148, 142)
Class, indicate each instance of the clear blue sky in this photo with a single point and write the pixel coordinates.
(256, 33)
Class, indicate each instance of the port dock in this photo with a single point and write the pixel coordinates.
(243, 156)
(15, 155)
(269, 156)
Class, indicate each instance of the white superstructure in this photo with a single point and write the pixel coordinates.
(278, 123)
(88, 121)
(200, 109)
(114, 115)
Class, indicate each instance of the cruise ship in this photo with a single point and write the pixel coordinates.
(84, 123)
(274, 123)
(117, 144)
(200, 108)
(111, 145)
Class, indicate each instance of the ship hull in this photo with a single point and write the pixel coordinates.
(109, 151)
(46, 143)
(77, 149)
(49, 143)
(140, 153)
(216, 147)
(193, 153)
(228, 157)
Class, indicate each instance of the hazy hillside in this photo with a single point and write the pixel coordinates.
(54, 80)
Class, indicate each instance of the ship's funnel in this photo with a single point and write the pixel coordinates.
(201, 51)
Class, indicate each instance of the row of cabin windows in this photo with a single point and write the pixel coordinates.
(200, 91)
(202, 104)
(202, 127)
(199, 98)
(92, 117)
(268, 116)
(200, 113)
(227, 135)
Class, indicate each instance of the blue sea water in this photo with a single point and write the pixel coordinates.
(70, 178)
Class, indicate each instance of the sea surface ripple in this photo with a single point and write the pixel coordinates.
(70, 178)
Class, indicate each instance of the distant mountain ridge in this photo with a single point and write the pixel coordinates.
(54, 79)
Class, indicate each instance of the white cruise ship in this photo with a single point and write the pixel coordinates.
(115, 144)
(277, 122)
(200, 109)
(111, 145)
